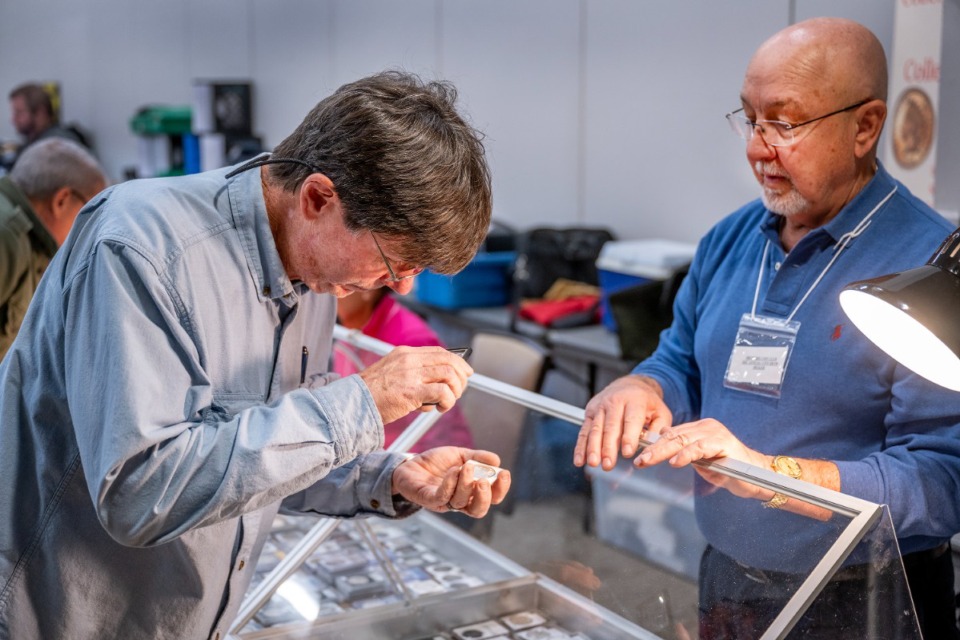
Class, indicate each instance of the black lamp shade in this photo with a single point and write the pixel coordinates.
(915, 315)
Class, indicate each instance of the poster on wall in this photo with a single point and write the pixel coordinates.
(911, 148)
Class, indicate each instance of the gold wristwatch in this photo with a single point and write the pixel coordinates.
(789, 467)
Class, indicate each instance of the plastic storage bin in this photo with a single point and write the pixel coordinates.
(649, 512)
(485, 282)
(626, 263)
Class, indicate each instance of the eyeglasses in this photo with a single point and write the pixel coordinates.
(263, 160)
(393, 274)
(776, 133)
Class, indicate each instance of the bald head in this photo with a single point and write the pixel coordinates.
(825, 82)
(838, 59)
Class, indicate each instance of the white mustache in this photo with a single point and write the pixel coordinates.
(766, 168)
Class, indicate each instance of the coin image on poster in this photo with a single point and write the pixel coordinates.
(912, 128)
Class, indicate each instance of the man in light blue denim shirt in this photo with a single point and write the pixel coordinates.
(167, 395)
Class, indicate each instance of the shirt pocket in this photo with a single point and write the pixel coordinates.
(228, 404)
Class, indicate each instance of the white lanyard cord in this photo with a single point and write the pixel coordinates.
(756, 292)
(844, 241)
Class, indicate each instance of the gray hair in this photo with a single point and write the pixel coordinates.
(51, 164)
(404, 164)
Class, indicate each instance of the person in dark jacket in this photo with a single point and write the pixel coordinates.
(39, 201)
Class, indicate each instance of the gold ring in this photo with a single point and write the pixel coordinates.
(683, 439)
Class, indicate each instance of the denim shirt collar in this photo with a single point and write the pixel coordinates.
(250, 217)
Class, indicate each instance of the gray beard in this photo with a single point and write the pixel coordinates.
(786, 204)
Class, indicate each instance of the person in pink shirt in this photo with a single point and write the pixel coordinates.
(378, 314)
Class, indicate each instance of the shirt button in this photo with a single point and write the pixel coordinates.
(776, 266)
(375, 504)
(241, 565)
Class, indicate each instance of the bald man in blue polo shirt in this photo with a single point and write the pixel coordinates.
(762, 366)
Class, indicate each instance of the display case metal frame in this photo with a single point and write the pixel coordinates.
(861, 513)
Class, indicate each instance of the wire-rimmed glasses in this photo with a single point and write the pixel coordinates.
(776, 133)
(263, 160)
(393, 274)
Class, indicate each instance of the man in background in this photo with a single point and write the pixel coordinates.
(39, 200)
(762, 366)
(35, 118)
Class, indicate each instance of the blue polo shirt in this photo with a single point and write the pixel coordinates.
(894, 436)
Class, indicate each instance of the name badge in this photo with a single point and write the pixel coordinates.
(761, 354)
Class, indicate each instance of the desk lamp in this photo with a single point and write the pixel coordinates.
(915, 315)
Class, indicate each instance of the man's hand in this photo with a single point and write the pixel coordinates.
(706, 440)
(408, 378)
(442, 479)
(616, 419)
(711, 440)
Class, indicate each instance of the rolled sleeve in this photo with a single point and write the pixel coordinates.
(363, 486)
(354, 419)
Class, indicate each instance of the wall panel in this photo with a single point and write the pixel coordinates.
(594, 112)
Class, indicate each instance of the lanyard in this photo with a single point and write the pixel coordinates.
(844, 241)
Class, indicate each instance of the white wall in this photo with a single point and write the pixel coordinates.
(596, 112)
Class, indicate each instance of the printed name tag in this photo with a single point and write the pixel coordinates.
(759, 365)
(760, 355)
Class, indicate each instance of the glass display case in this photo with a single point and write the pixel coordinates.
(628, 553)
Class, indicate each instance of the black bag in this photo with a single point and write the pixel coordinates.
(500, 237)
(642, 312)
(546, 254)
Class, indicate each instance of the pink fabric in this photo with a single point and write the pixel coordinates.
(394, 323)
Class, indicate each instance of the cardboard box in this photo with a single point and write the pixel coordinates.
(485, 282)
(625, 263)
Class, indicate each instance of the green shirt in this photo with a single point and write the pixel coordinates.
(26, 248)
